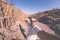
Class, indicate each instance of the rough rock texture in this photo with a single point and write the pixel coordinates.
(8, 16)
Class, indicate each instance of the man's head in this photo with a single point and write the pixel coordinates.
(30, 19)
(33, 20)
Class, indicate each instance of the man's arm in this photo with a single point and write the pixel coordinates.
(37, 28)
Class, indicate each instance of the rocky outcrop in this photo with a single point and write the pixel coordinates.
(8, 16)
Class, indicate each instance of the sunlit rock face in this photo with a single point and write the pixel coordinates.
(9, 15)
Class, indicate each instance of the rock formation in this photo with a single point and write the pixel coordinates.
(9, 15)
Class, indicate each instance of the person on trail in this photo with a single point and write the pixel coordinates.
(37, 33)
(32, 29)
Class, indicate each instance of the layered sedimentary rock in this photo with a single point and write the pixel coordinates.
(9, 15)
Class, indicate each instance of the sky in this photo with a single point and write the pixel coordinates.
(34, 6)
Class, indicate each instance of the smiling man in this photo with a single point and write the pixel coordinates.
(32, 29)
(36, 32)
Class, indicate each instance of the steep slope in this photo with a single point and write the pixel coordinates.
(9, 15)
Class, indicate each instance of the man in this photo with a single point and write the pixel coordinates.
(32, 29)
(37, 33)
